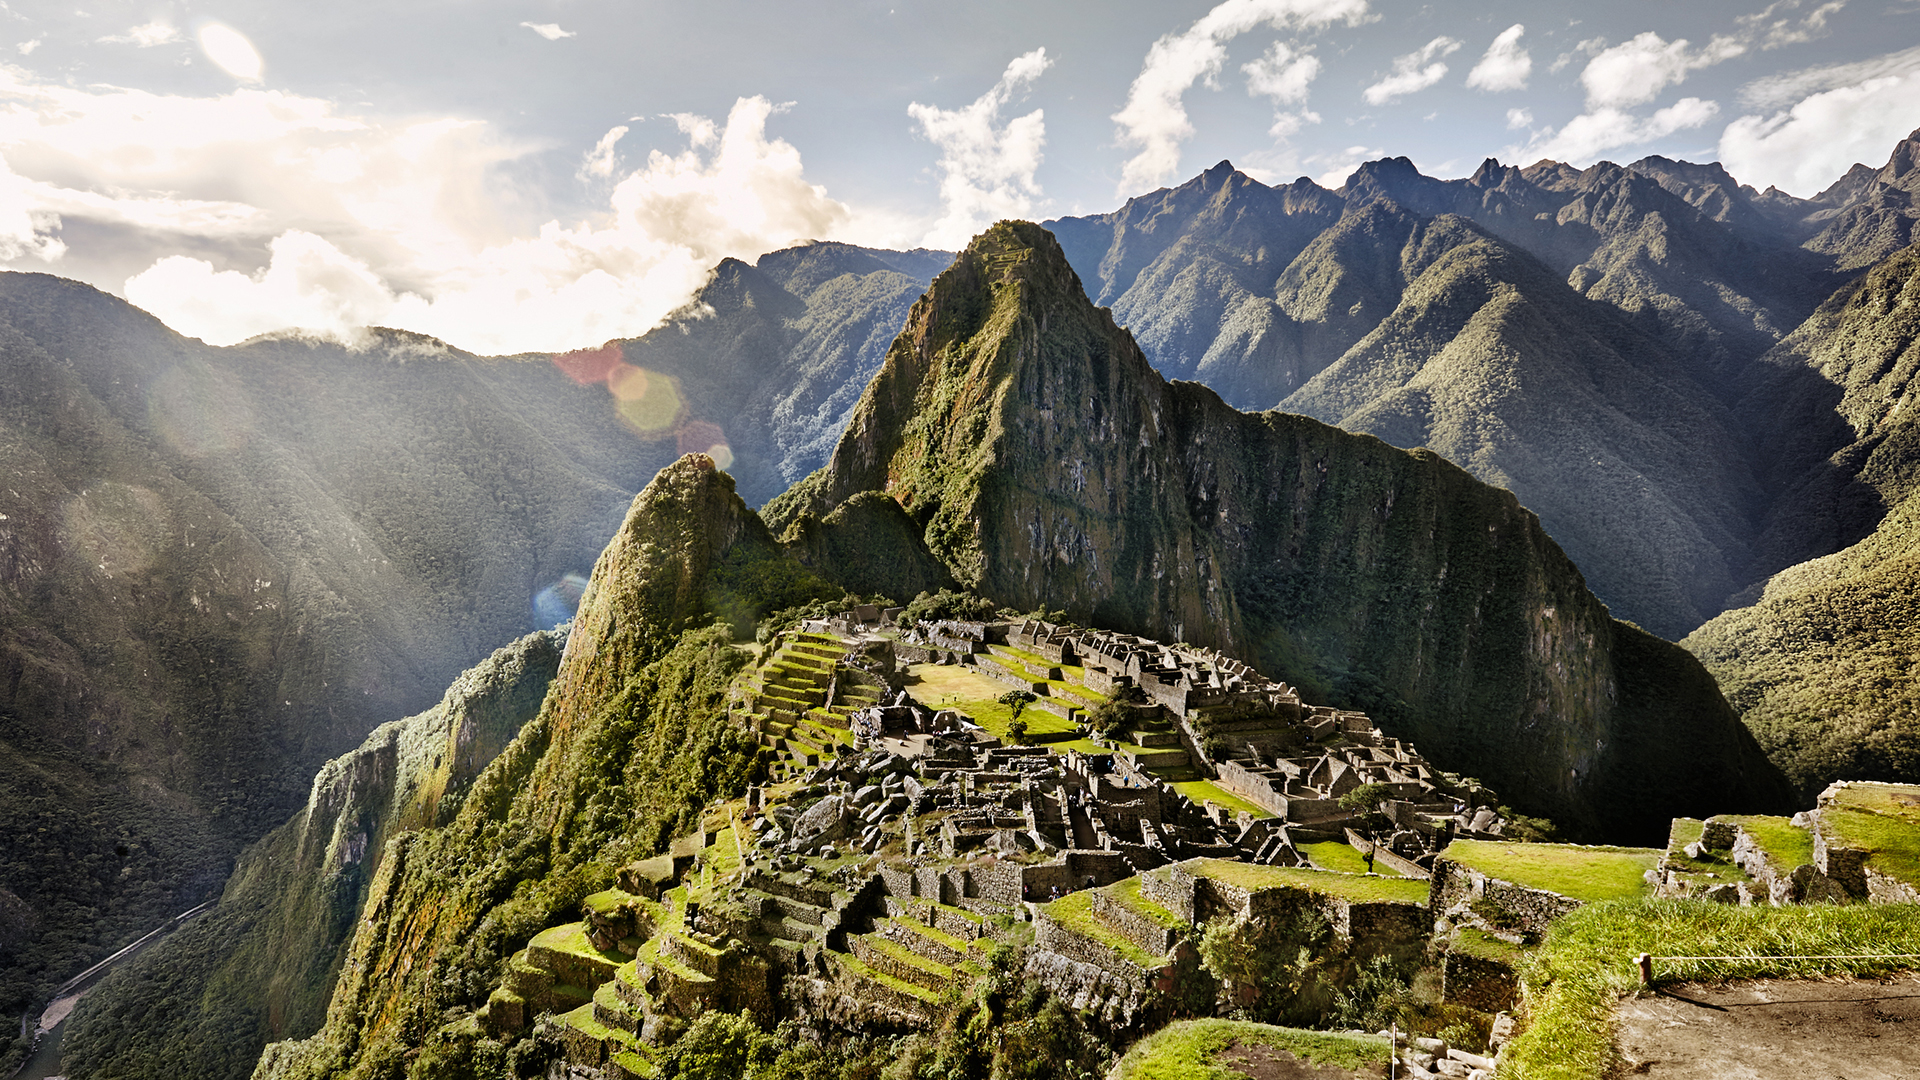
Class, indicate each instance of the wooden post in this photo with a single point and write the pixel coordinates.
(1646, 971)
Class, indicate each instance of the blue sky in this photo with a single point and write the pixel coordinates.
(547, 175)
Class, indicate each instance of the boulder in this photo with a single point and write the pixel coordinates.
(824, 820)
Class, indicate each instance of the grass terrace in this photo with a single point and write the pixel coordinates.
(1340, 857)
(1588, 874)
(1075, 912)
(1193, 1049)
(1883, 820)
(1586, 965)
(1786, 845)
(1205, 791)
(1361, 888)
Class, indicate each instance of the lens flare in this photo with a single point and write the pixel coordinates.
(648, 401)
(558, 602)
(589, 366)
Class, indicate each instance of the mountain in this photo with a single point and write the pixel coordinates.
(769, 358)
(631, 743)
(1616, 419)
(1820, 665)
(260, 966)
(221, 567)
(1050, 466)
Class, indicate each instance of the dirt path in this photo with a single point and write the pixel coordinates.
(1768, 1029)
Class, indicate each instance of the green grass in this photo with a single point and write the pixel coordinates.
(853, 965)
(1884, 820)
(1785, 844)
(1339, 856)
(1187, 1050)
(1586, 964)
(1127, 892)
(1476, 942)
(1075, 912)
(572, 938)
(1204, 791)
(1354, 887)
(1588, 874)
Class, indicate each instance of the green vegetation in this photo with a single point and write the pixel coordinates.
(1786, 845)
(1355, 887)
(1191, 1049)
(1883, 821)
(1586, 965)
(1588, 874)
(1205, 791)
(1075, 912)
(1340, 856)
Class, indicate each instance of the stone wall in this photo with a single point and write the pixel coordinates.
(1468, 895)
(1477, 982)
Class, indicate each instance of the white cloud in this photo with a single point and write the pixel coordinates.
(1154, 119)
(1283, 73)
(1505, 66)
(600, 161)
(231, 51)
(1784, 89)
(1519, 118)
(26, 47)
(1808, 147)
(1635, 72)
(1596, 131)
(1772, 33)
(550, 31)
(147, 35)
(406, 223)
(1413, 72)
(987, 168)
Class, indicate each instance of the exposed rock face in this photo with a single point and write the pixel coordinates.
(1050, 466)
(271, 949)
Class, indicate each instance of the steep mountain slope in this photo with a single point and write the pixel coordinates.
(1821, 666)
(632, 741)
(1050, 466)
(1491, 360)
(261, 965)
(1870, 213)
(220, 567)
(770, 358)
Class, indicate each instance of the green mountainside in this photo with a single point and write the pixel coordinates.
(631, 743)
(1051, 467)
(261, 966)
(1822, 666)
(221, 567)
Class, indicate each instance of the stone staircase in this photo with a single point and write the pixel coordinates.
(786, 703)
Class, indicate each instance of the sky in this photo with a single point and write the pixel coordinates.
(542, 175)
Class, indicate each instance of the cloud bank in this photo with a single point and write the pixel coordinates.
(297, 214)
(986, 167)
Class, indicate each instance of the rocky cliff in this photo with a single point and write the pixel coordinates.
(1050, 466)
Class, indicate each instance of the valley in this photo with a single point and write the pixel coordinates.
(970, 658)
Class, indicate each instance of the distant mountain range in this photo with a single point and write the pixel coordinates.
(221, 567)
